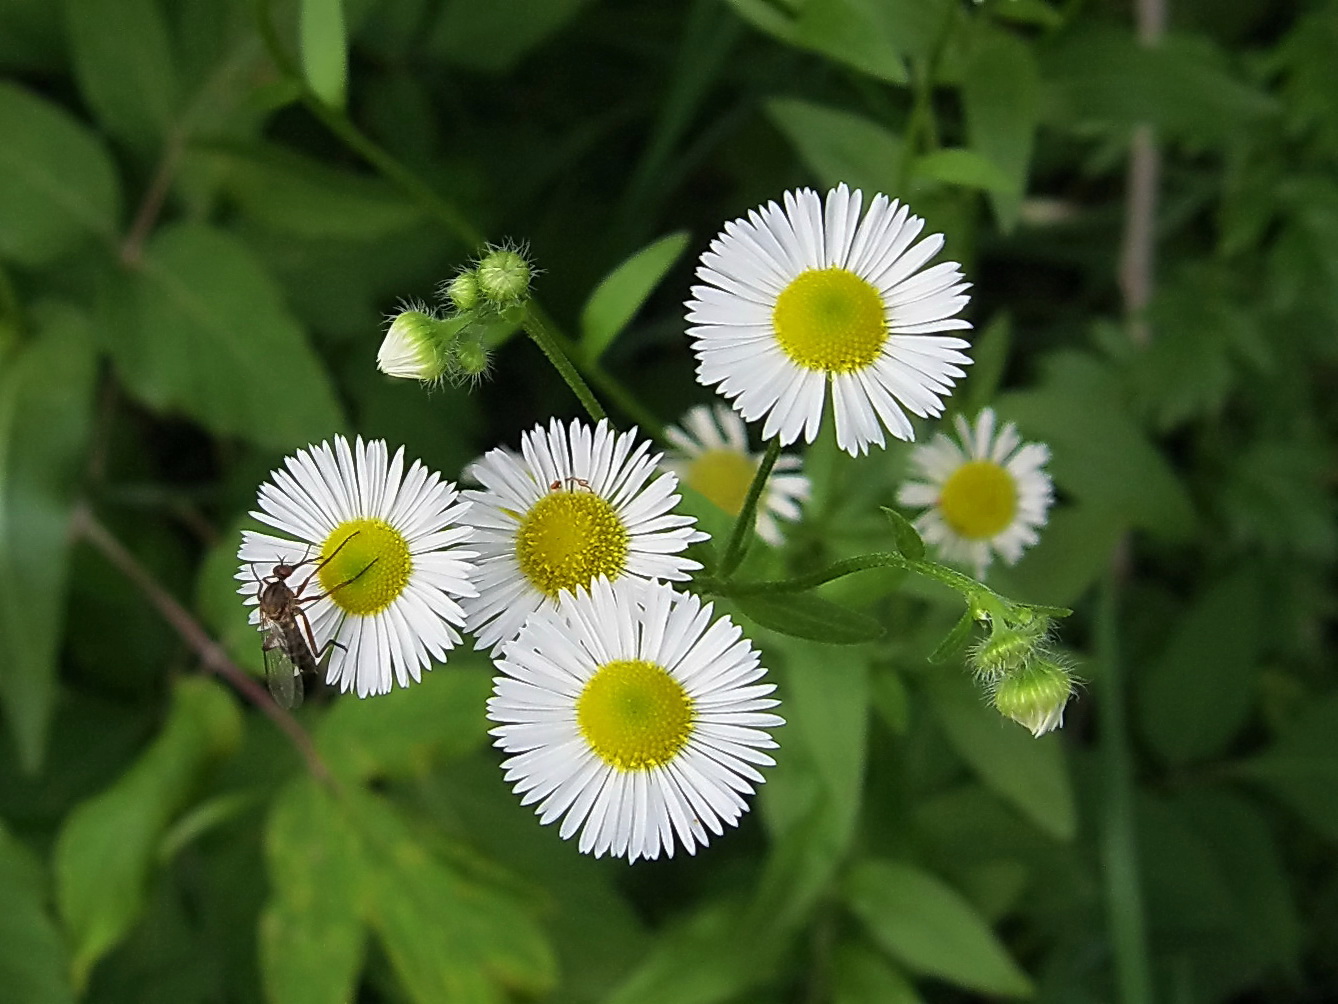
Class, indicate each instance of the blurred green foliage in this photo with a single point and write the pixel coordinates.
(206, 209)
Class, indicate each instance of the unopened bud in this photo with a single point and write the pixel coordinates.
(417, 345)
(1035, 696)
(463, 291)
(503, 277)
(472, 359)
(1006, 649)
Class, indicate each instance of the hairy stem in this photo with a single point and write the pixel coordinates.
(743, 525)
(535, 326)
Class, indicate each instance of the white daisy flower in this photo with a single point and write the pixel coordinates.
(574, 506)
(800, 298)
(713, 458)
(380, 547)
(633, 718)
(989, 495)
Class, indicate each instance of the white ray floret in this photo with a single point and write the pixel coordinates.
(577, 503)
(985, 493)
(634, 718)
(399, 560)
(805, 296)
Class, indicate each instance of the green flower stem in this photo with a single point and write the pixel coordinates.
(743, 525)
(534, 324)
(1119, 850)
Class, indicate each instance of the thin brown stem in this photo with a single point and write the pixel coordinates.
(151, 206)
(212, 655)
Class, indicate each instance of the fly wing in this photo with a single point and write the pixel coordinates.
(285, 683)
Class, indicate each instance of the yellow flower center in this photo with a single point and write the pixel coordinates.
(724, 477)
(830, 320)
(365, 565)
(634, 715)
(979, 499)
(568, 539)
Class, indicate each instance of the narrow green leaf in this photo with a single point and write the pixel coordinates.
(907, 538)
(622, 292)
(1199, 692)
(46, 396)
(122, 59)
(201, 329)
(861, 976)
(1028, 773)
(957, 166)
(323, 43)
(838, 145)
(803, 615)
(1001, 96)
(954, 640)
(931, 928)
(1301, 768)
(107, 845)
(33, 963)
(57, 183)
(311, 932)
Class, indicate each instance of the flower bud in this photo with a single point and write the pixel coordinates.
(1008, 647)
(503, 277)
(1035, 695)
(472, 360)
(417, 345)
(463, 291)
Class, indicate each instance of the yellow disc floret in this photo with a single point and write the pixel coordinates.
(723, 476)
(830, 320)
(570, 538)
(365, 565)
(634, 715)
(979, 499)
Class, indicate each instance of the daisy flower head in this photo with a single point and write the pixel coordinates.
(634, 718)
(810, 295)
(576, 504)
(712, 456)
(985, 494)
(381, 557)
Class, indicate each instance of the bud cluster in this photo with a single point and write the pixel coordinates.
(1021, 675)
(448, 342)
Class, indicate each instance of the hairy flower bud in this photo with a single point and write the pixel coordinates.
(1035, 695)
(503, 277)
(463, 291)
(417, 345)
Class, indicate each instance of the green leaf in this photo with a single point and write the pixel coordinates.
(931, 928)
(1301, 768)
(201, 329)
(907, 538)
(33, 964)
(1196, 696)
(311, 931)
(839, 146)
(1001, 91)
(1073, 553)
(803, 615)
(46, 396)
(494, 37)
(1026, 772)
(108, 844)
(122, 59)
(407, 731)
(990, 351)
(620, 295)
(861, 976)
(958, 166)
(862, 34)
(954, 640)
(323, 45)
(57, 183)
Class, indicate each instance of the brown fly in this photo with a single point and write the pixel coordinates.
(290, 646)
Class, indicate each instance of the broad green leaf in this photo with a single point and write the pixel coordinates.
(891, 700)
(862, 976)
(32, 37)
(200, 329)
(122, 59)
(1099, 453)
(108, 844)
(1036, 12)
(620, 295)
(803, 615)
(33, 963)
(1074, 551)
(959, 166)
(323, 44)
(862, 34)
(448, 936)
(1001, 97)
(46, 397)
(839, 146)
(1301, 768)
(931, 928)
(408, 730)
(494, 37)
(908, 540)
(57, 183)
(1199, 692)
(299, 195)
(311, 932)
(1027, 772)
